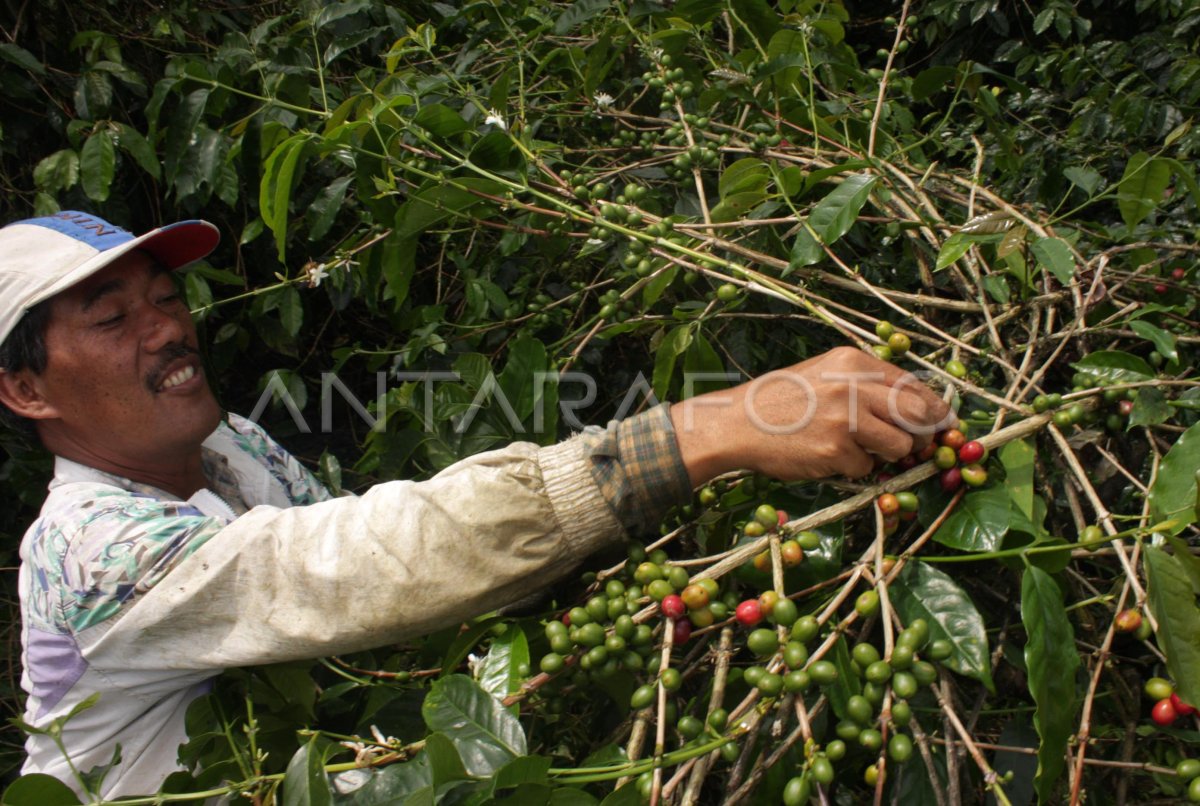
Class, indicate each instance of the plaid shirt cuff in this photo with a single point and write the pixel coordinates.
(638, 468)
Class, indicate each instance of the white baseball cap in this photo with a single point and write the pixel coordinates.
(39, 257)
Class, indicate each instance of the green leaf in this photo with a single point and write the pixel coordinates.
(1150, 408)
(847, 684)
(1114, 366)
(671, 347)
(1043, 20)
(1141, 187)
(178, 135)
(57, 172)
(1173, 495)
(1051, 658)
(499, 673)
(628, 795)
(196, 291)
(291, 310)
(441, 121)
(952, 249)
(444, 761)
(654, 289)
(930, 80)
(97, 162)
(1189, 563)
(737, 205)
(38, 789)
(1017, 458)
(1186, 175)
(275, 190)
(396, 258)
(436, 204)
(137, 146)
(524, 770)
(1162, 340)
(571, 796)
(526, 355)
(836, 213)
(979, 523)
(830, 219)
(922, 591)
(1054, 255)
(486, 734)
(324, 209)
(465, 642)
(806, 250)
(701, 368)
(1173, 603)
(747, 175)
(390, 785)
(331, 472)
(1084, 178)
(305, 783)
(997, 288)
(579, 12)
(23, 59)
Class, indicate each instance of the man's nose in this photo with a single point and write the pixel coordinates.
(160, 328)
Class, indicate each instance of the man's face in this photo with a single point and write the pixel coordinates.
(123, 374)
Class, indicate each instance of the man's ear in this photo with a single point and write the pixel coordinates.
(21, 391)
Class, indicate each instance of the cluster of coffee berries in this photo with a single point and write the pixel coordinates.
(768, 519)
(605, 643)
(960, 460)
(897, 507)
(1167, 705)
(864, 723)
(613, 307)
(895, 344)
(1188, 770)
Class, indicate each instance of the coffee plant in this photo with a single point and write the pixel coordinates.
(671, 197)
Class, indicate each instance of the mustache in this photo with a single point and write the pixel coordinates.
(172, 352)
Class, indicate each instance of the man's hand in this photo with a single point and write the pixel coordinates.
(830, 415)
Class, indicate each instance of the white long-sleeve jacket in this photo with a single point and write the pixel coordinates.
(144, 598)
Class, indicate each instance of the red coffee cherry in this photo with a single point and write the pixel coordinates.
(749, 613)
(1128, 620)
(683, 631)
(953, 438)
(673, 606)
(1164, 712)
(951, 479)
(888, 504)
(1181, 707)
(972, 452)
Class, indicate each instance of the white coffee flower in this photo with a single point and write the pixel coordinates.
(494, 118)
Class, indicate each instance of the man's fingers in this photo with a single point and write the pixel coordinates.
(937, 411)
(883, 439)
(854, 462)
(911, 412)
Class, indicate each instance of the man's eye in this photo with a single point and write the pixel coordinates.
(110, 321)
(168, 299)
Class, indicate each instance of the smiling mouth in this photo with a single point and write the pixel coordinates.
(177, 377)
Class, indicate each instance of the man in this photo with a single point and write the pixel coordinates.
(176, 541)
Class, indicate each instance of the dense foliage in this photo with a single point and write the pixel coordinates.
(653, 190)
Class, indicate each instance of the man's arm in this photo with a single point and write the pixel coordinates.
(402, 560)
